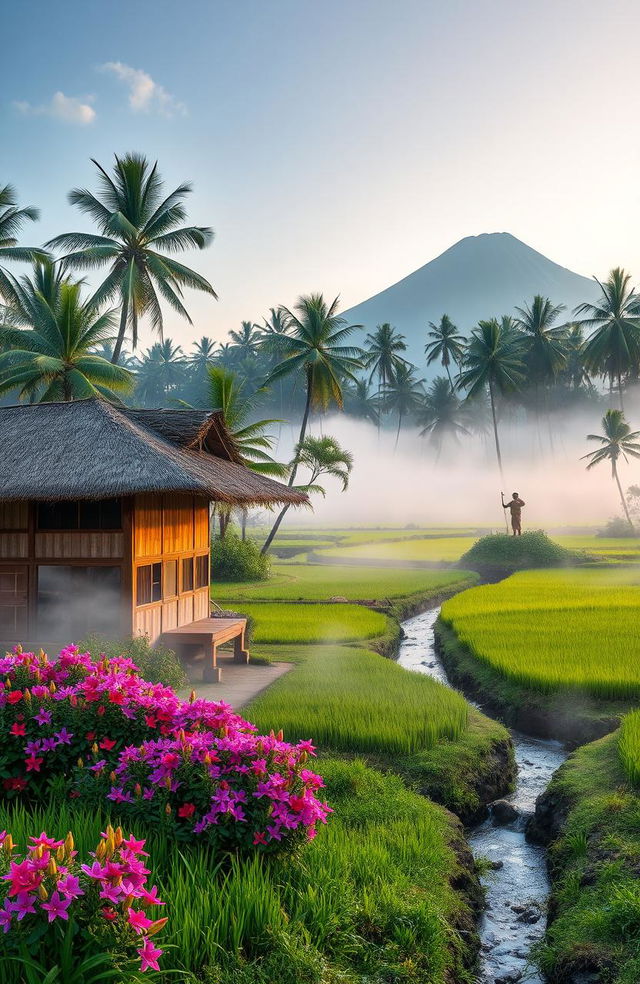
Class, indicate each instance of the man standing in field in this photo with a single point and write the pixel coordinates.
(515, 508)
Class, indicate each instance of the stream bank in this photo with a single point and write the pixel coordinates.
(516, 881)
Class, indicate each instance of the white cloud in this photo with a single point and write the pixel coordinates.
(145, 95)
(68, 109)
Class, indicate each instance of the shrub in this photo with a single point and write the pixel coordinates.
(500, 554)
(73, 921)
(617, 527)
(233, 559)
(155, 663)
(77, 727)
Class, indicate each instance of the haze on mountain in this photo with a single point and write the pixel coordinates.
(478, 277)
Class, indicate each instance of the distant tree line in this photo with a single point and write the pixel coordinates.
(61, 341)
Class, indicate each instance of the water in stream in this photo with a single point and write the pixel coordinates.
(506, 933)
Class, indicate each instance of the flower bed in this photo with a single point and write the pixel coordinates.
(64, 912)
(75, 727)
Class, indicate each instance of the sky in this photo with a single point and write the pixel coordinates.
(335, 145)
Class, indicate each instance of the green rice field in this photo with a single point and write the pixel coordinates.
(352, 700)
(610, 548)
(296, 582)
(629, 746)
(433, 550)
(313, 623)
(556, 630)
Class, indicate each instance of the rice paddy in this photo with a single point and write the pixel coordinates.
(285, 623)
(445, 549)
(629, 746)
(556, 630)
(297, 582)
(609, 548)
(352, 700)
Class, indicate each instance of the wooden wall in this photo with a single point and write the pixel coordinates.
(165, 529)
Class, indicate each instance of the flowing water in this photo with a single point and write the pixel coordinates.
(517, 889)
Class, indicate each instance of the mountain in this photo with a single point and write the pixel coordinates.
(478, 277)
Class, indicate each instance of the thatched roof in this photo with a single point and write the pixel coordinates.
(89, 449)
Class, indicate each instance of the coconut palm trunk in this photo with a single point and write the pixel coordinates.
(495, 430)
(614, 469)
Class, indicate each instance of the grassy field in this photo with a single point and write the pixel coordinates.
(556, 630)
(433, 549)
(371, 898)
(283, 623)
(629, 746)
(320, 583)
(352, 700)
(594, 871)
(609, 548)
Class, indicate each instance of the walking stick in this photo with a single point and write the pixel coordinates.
(506, 524)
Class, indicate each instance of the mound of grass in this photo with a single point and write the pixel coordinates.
(555, 631)
(234, 559)
(313, 623)
(372, 898)
(595, 902)
(305, 582)
(629, 747)
(352, 700)
(499, 555)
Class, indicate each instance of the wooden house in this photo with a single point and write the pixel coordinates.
(105, 519)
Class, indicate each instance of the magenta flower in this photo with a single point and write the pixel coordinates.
(70, 886)
(57, 907)
(149, 956)
(23, 905)
(138, 921)
(43, 716)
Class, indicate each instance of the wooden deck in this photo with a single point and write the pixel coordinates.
(209, 633)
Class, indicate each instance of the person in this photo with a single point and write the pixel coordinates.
(515, 508)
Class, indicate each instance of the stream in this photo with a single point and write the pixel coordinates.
(517, 891)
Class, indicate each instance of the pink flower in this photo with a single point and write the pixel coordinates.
(23, 906)
(138, 920)
(70, 886)
(135, 845)
(57, 907)
(33, 763)
(17, 729)
(149, 954)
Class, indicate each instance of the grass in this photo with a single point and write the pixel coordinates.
(352, 700)
(371, 899)
(555, 630)
(629, 746)
(320, 583)
(610, 548)
(285, 623)
(594, 869)
(445, 549)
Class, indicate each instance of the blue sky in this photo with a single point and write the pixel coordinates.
(336, 146)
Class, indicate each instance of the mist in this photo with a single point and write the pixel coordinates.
(462, 487)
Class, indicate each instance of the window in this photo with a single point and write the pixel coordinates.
(148, 584)
(170, 579)
(187, 574)
(202, 571)
(103, 514)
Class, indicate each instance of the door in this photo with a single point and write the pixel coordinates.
(14, 598)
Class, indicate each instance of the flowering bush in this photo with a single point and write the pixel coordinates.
(54, 907)
(97, 729)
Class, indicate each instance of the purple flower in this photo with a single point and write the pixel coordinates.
(23, 905)
(63, 736)
(43, 717)
(32, 747)
(70, 886)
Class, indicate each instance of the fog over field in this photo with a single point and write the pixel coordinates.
(409, 485)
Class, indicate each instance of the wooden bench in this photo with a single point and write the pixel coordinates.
(211, 633)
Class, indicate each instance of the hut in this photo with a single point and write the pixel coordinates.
(105, 521)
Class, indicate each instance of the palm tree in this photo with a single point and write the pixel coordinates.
(403, 394)
(202, 353)
(139, 227)
(314, 348)
(613, 348)
(49, 344)
(226, 392)
(446, 344)
(382, 358)
(322, 456)
(546, 344)
(360, 403)
(441, 414)
(247, 340)
(617, 442)
(12, 219)
(159, 373)
(573, 372)
(493, 361)
(272, 330)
